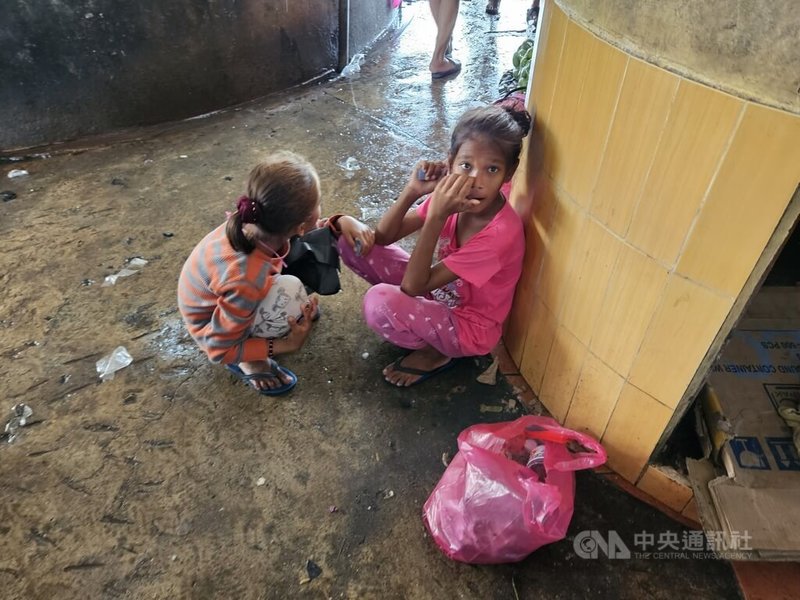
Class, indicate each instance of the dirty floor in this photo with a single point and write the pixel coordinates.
(174, 481)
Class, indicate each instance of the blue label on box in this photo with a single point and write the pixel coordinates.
(749, 454)
(784, 452)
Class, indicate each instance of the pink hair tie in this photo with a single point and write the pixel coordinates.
(248, 210)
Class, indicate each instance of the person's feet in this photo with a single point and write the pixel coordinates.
(444, 68)
(265, 383)
(424, 360)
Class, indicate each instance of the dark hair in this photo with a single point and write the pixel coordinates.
(285, 188)
(504, 125)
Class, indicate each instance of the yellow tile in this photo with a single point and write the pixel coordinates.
(698, 130)
(561, 376)
(539, 229)
(537, 236)
(538, 343)
(595, 397)
(589, 124)
(560, 240)
(685, 323)
(667, 490)
(753, 187)
(633, 431)
(639, 120)
(516, 326)
(634, 290)
(595, 256)
(545, 70)
(572, 73)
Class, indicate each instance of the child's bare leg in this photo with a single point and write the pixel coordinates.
(424, 359)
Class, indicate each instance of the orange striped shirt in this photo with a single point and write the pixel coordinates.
(219, 291)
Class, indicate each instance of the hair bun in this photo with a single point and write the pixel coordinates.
(521, 116)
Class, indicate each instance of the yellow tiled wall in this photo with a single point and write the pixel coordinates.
(657, 199)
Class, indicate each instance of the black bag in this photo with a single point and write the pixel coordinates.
(314, 259)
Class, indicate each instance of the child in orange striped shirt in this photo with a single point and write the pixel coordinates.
(237, 306)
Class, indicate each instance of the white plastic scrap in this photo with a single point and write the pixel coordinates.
(354, 66)
(133, 267)
(14, 173)
(20, 415)
(108, 365)
(351, 164)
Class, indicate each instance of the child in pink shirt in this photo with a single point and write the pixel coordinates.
(449, 298)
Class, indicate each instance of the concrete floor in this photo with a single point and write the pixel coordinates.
(147, 486)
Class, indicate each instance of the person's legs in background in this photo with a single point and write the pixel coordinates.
(444, 14)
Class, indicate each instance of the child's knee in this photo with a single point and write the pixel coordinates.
(381, 304)
(293, 286)
(285, 299)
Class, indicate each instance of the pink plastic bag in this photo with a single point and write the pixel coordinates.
(489, 507)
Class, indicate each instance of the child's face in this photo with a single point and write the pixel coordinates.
(311, 222)
(481, 159)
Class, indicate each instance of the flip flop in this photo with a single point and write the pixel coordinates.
(271, 375)
(397, 366)
(452, 71)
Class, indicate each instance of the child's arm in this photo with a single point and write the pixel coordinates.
(360, 236)
(399, 221)
(450, 196)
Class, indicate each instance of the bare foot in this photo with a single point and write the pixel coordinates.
(425, 359)
(266, 383)
(442, 68)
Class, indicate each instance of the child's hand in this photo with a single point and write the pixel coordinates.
(450, 195)
(301, 327)
(361, 237)
(425, 176)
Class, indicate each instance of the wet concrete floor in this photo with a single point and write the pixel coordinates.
(174, 481)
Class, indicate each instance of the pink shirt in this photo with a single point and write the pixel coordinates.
(488, 268)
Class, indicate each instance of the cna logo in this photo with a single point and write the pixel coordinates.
(590, 543)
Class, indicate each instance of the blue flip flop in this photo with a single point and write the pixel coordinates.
(454, 70)
(424, 375)
(271, 375)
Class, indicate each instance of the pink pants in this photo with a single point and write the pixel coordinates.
(405, 321)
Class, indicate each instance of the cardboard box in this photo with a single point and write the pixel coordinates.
(752, 480)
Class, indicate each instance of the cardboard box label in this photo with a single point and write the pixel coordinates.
(784, 453)
(748, 453)
(782, 392)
